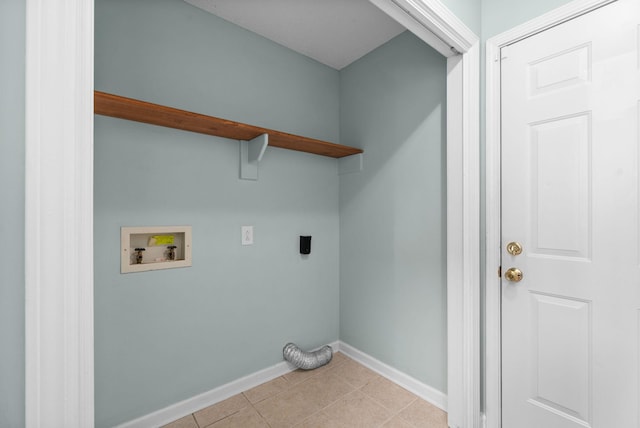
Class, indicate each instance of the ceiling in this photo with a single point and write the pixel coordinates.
(333, 32)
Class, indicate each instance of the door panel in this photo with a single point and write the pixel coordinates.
(562, 326)
(560, 186)
(561, 70)
(570, 191)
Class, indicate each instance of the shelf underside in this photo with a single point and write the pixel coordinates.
(155, 114)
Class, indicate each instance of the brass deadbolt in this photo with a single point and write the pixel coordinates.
(514, 248)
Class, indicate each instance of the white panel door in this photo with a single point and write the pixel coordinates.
(570, 186)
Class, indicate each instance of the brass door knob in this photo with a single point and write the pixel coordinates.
(514, 248)
(513, 275)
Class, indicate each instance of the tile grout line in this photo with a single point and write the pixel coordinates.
(405, 408)
(258, 411)
(397, 413)
(292, 384)
(287, 383)
(326, 371)
(308, 417)
(266, 422)
(323, 408)
(193, 416)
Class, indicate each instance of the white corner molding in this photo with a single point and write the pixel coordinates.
(493, 407)
(59, 214)
(432, 22)
(463, 234)
(493, 392)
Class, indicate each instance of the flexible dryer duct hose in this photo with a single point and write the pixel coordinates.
(307, 360)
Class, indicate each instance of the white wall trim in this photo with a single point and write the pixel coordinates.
(191, 405)
(493, 391)
(432, 22)
(402, 16)
(216, 395)
(469, 305)
(422, 390)
(59, 214)
(434, 15)
(455, 242)
(493, 291)
(549, 19)
(200, 401)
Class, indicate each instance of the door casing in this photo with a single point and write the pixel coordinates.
(493, 376)
(59, 360)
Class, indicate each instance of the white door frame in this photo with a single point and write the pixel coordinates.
(59, 207)
(59, 214)
(569, 11)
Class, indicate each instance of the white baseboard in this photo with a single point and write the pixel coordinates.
(206, 399)
(424, 391)
(193, 404)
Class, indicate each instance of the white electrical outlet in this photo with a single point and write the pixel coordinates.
(247, 235)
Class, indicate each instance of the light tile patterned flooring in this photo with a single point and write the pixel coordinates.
(342, 394)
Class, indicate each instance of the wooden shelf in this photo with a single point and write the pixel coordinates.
(141, 111)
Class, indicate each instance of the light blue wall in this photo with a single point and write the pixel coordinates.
(392, 214)
(468, 11)
(165, 336)
(487, 18)
(501, 15)
(12, 57)
(172, 53)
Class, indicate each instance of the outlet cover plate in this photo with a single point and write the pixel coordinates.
(247, 235)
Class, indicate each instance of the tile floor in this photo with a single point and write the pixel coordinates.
(342, 394)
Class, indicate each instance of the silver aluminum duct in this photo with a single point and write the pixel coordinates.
(307, 360)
